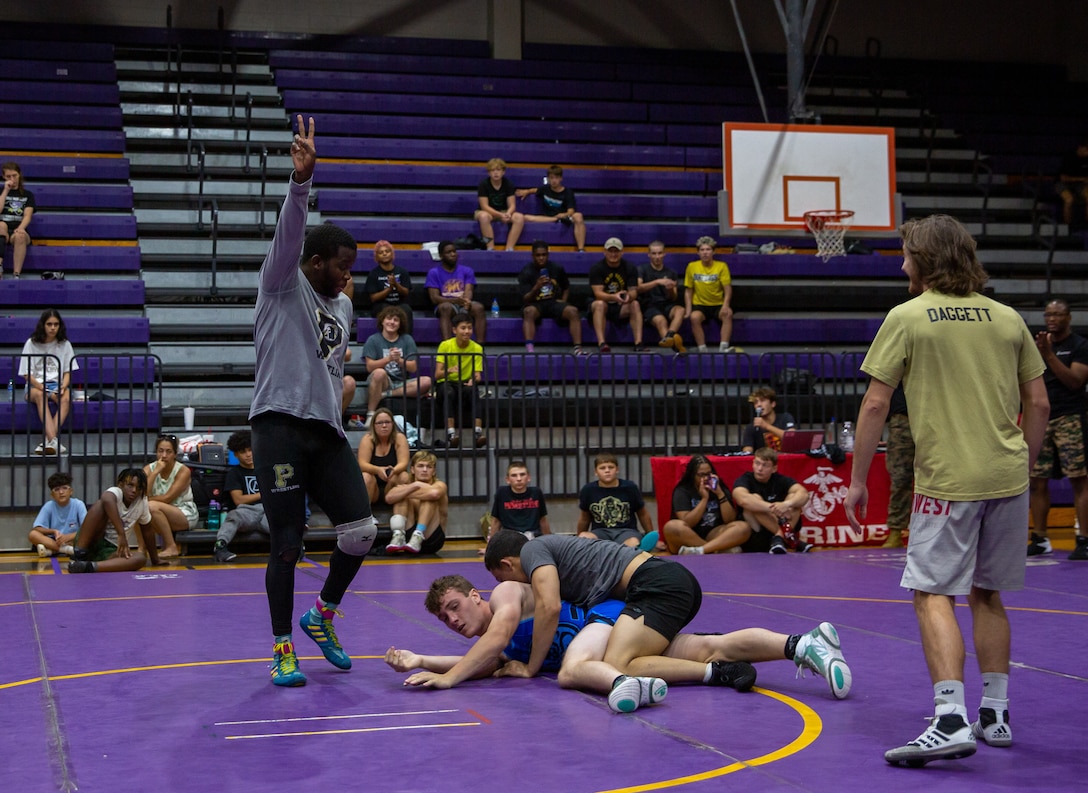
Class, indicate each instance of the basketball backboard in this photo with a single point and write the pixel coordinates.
(774, 173)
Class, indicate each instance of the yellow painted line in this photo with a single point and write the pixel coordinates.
(813, 726)
(87, 243)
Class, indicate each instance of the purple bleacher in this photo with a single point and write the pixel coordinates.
(474, 106)
(58, 294)
(368, 202)
(446, 85)
(84, 227)
(81, 140)
(55, 69)
(508, 331)
(106, 416)
(793, 265)
(408, 232)
(71, 258)
(97, 370)
(741, 96)
(360, 124)
(14, 331)
(74, 168)
(481, 151)
(57, 92)
(83, 196)
(66, 116)
(28, 50)
(425, 64)
(467, 177)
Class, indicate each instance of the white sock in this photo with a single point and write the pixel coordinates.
(948, 698)
(398, 522)
(995, 685)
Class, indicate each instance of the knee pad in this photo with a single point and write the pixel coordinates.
(397, 523)
(357, 537)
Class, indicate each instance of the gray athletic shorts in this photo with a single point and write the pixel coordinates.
(955, 545)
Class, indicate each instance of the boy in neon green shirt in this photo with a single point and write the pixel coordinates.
(458, 370)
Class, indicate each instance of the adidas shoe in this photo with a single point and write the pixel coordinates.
(1039, 545)
(819, 651)
(398, 543)
(322, 632)
(285, 671)
(631, 693)
(991, 729)
(778, 545)
(415, 543)
(739, 675)
(948, 737)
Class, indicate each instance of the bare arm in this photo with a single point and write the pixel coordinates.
(545, 583)
(583, 521)
(181, 484)
(1035, 409)
(871, 418)
(645, 520)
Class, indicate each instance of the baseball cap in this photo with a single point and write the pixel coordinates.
(613, 242)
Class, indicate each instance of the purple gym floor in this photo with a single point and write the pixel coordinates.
(158, 681)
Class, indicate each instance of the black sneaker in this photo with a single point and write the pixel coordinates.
(803, 547)
(80, 566)
(1039, 545)
(778, 545)
(739, 675)
(1080, 553)
(223, 554)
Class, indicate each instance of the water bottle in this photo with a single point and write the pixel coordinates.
(11, 390)
(495, 308)
(212, 521)
(846, 441)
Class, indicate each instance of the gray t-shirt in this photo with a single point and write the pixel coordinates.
(300, 336)
(588, 569)
(377, 347)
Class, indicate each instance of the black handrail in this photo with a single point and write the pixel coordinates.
(189, 135)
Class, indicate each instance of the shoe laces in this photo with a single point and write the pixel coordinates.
(284, 658)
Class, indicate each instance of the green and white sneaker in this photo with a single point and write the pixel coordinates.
(630, 693)
(819, 651)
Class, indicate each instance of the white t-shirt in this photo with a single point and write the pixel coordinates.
(46, 362)
(136, 512)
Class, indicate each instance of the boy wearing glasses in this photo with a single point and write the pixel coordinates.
(59, 519)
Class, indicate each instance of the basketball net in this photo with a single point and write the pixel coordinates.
(829, 227)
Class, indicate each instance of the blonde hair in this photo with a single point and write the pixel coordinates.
(496, 162)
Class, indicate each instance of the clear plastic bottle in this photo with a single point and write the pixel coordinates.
(495, 308)
(846, 439)
(211, 523)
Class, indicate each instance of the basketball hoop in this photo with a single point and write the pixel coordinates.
(829, 226)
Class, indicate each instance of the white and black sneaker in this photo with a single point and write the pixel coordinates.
(778, 546)
(948, 737)
(630, 693)
(1039, 545)
(993, 728)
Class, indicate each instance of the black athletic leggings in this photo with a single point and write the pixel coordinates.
(294, 457)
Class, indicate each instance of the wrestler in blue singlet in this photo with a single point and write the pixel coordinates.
(571, 620)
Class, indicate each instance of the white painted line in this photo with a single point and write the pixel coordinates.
(346, 716)
(346, 732)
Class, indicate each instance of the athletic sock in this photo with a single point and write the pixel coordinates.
(421, 528)
(995, 685)
(323, 610)
(281, 639)
(791, 645)
(708, 674)
(948, 698)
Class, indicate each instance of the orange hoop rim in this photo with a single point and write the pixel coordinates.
(818, 218)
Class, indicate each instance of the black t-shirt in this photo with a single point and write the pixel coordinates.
(560, 282)
(777, 488)
(685, 499)
(553, 203)
(1063, 401)
(757, 440)
(378, 280)
(239, 478)
(614, 279)
(519, 511)
(612, 507)
(1074, 165)
(496, 198)
(658, 296)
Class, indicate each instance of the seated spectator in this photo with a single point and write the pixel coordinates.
(615, 295)
(47, 363)
(16, 212)
(1072, 185)
(768, 426)
(612, 508)
(458, 369)
(450, 286)
(389, 284)
(497, 198)
(771, 505)
(557, 205)
(107, 535)
(383, 456)
(545, 288)
(518, 506)
(704, 519)
(392, 361)
(170, 494)
(347, 394)
(244, 496)
(659, 298)
(422, 502)
(59, 519)
(708, 290)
